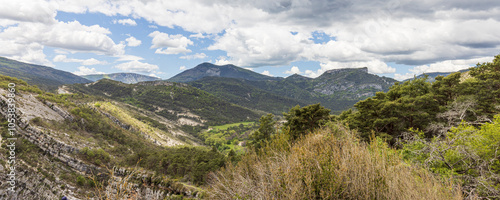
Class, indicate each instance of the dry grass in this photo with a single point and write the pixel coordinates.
(331, 163)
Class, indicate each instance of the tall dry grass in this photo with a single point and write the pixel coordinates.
(331, 163)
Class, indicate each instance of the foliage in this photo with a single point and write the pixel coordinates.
(170, 100)
(96, 156)
(431, 107)
(265, 131)
(304, 120)
(465, 152)
(243, 92)
(330, 163)
(227, 137)
(187, 163)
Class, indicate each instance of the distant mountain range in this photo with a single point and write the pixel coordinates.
(336, 89)
(122, 77)
(46, 78)
(431, 77)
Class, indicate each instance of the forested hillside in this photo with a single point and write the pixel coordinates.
(337, 90)
(172, 101)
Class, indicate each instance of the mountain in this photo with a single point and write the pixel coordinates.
(174, 101)
(228, 71)
(46, 78)
(431, 77)
(122, 77)
(243, 92)
(337, 89)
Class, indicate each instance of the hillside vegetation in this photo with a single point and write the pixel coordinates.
(174, 101)
(330, 163)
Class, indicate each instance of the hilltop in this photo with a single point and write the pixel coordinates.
(228, 71)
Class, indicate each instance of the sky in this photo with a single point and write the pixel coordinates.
(393, 38)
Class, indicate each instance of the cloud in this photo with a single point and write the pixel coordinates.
(267, 73)
(154, 75)
(90, 61)
(27, 40)
(194, 56)
(128, 58)
(182, 68)
(261, 46)
(293, 70)
(133, 42)
(449, 65)
(82, 70)
(128, 22)
(263, 33)
(137, 66)
(401, 77)
(153, 26)
(28, 11)
(174, 44)
(198, 35)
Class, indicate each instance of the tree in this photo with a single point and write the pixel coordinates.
(304, 120)
(487, 86)
(266, 129)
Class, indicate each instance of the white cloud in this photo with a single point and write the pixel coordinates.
(261, 46)
(27, 40)
(247, 68)
(293, 70)
(222, 61)
(267, 73)
(194, 56)
(28, 11)
(133, 42)
(401, 77)
(153, 26)
(182, 68)
(198, 35)
(82, 70)
(449, 65)
(128, 58)
(136, 66)
(128, 22)
(90, 61)
(174, 44)
(154, 75)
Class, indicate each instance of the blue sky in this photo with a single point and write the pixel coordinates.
(396, 38)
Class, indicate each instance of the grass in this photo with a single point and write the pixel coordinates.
(331, 163)
(226, 126)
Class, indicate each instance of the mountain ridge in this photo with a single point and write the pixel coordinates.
(122, 77)
(44, 77)
(209, 69)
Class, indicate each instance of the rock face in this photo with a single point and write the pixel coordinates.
(35, 183)
(351, 84)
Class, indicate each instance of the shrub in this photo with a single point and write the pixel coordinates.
(331, 163)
